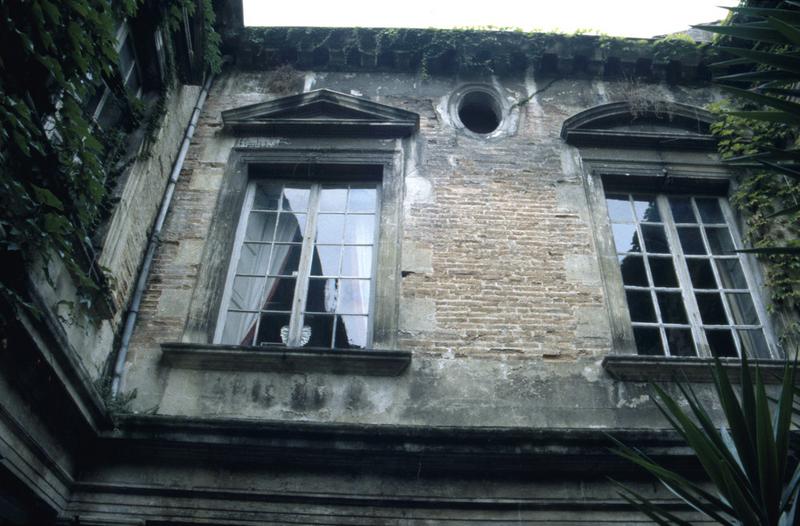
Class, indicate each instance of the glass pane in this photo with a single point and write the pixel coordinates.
(682, 210)
(332, 199)
(671, 306)
(648, 341)
(362, 200)
(680, 342)
(754, 343)
(633, 272)
(701, 273)
(663, 272)
(273, 329)
(253, 259)
(295, 199)
(322, 295)
(654, 239)
(357, 262)
(278, 294)
(742, 309)
(351, 332)
(625, 238)
(709, 210)
(267, 197)
(640, 305)
(711, 309)
(721, 342)
(354, 296)
(325, 261)
(646, 209)
(261, 226)
(285, 260)
(691, 241)
(360, 229)
(330, 228)
(291, 228)
(619, 209)
(730, 273)
(239, 328)
(245, 293)
(318, 329)
(719, 240)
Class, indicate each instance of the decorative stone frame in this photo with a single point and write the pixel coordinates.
(508, 114)
(659, 161)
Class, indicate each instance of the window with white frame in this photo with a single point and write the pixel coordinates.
(689, 293)
(302, 271)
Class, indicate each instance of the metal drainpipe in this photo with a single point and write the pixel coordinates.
(152, 242)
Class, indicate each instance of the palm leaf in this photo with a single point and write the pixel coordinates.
(785, 212)
(782, 61)
(788, 15)
(746, 33)
(768, 116)
(766, 100)
(790, 32)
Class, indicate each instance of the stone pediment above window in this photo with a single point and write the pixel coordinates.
(321, 113)
(654, 124)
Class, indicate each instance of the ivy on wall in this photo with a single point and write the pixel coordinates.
(54, 161)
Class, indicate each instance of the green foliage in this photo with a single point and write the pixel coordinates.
(747, 459)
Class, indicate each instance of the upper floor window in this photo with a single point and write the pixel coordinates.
(302, 268)
(688, 291)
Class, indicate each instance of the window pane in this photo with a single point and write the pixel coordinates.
(654, 239)
(267, 197)
(721, 342)
(285, 260)
(362, 200)
(671, 306)
(245, 293)
(273, 329)
(261, 226)
(330, 228)
(253, 259)
(701, 273)
(291, 228)
(619, 209)
(360, 229)
(640, 305)
(663, 272)
(332, 199)
(321, 330)
(754, 343)
(353, 296)
(691, 241)
(646, 209)
(278, 294)
(682, 210)
(322, 295)
(295, 199)
(680, 342)
(648, 341)
(325, 261)
(357, 262)
(239, 328)
(730, 272)
(633, 272)
(351, 332)
(625, 238)
(742, 309)
(719, 240)
(711, 310)
(709, 210)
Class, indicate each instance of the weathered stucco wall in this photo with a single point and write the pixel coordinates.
(501, 297)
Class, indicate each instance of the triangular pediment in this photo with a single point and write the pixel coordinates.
(654, 124)
(321, 112)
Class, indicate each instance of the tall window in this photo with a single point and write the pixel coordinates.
(688, 292)
(302, 268)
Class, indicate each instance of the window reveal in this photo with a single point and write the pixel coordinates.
(687, 289)
(302, 271)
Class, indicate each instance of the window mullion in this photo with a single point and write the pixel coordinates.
(684, 280)
(304, 269)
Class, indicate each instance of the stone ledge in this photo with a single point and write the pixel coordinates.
(633, 368)
(370, 362)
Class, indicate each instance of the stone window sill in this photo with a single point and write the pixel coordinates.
(369, 362)
(633, 368)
